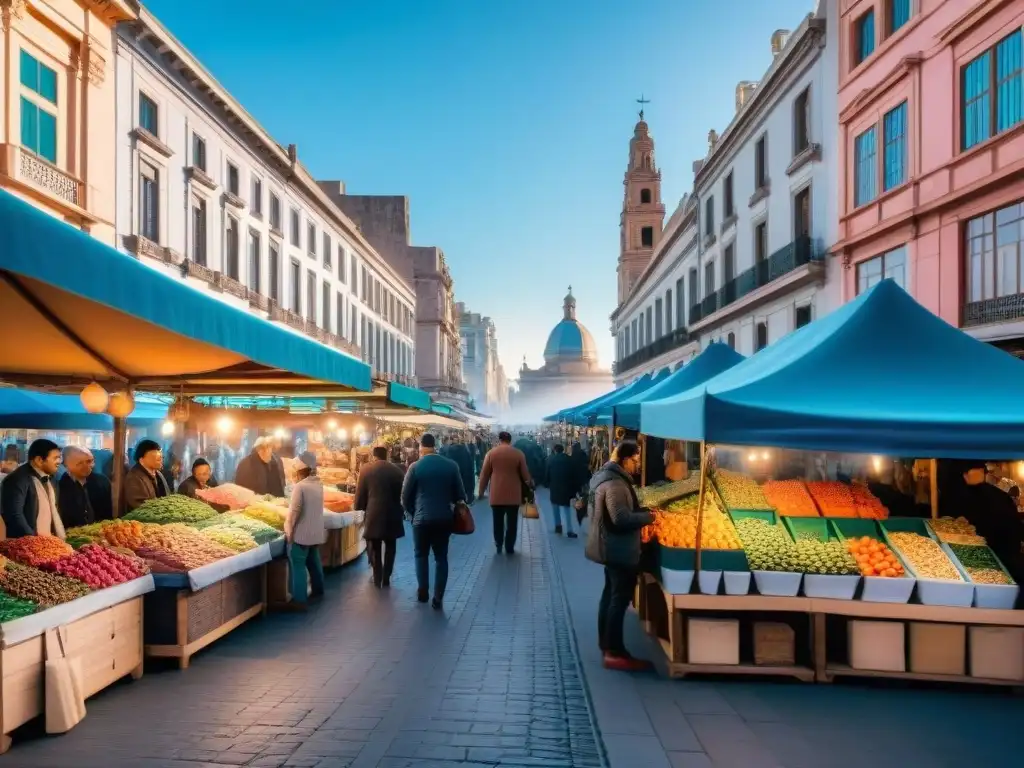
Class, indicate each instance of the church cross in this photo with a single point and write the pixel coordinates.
(642, 102)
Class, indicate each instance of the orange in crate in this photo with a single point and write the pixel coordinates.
(867, 504)
(834, 499)
(790, 498)
(874, 558)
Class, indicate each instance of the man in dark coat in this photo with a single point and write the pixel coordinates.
(563, 476)
(261, 471)
(144, 480)
(81, 490)
(28, 499)
(459, 453)
(379, 495)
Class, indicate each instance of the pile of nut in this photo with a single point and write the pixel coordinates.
(925, 556)
(46, 589)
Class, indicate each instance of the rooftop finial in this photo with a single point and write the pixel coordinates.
(642, 102)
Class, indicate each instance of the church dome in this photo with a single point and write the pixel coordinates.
(570, 341)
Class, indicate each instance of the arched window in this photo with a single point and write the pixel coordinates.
(732, 340)
(762, 337)
(645, 195)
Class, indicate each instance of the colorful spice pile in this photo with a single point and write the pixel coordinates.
(232, 538)
(100, 567)
(260, 531)
(12, 608)
(833, 499)
(338, 501)
(739, 491)
(790, 498)
(175, 508)
(874, 558)
(925, 556)
(956, 531)
(41, 587)
(34, 550)
(182, 546)
(227, 495)
(866, 504)
(981, 564)
(267, 513)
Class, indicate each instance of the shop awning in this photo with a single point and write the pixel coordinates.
(601, 414)
(472, 417)
(880, 375)
(85, 312)
(24, 409)
(712, 361)
(577, 416)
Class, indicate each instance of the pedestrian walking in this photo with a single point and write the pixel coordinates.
(613, 541)
(433, 486)
(379, 495)
(304, 532)
(563, 483)
(506, 473)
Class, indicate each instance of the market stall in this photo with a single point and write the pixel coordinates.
(800, 567)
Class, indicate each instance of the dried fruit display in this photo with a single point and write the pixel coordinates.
(161, 561)
(739, 491)
(124, 533)
(980, 563)
(267, 513)
(175, 508)
(790, 498)
(833, 498)
(925, 556)
(767, 545)
(77, 542)
(261, 532)
(676, 525)
(227, 495)
(100, 567)
(874, 558)
(34, 550)
(824, 557)
(866, 504)
(183, 545)
(232, 538)
(42, 587)
(92, 531)
(652, 496)
(956, 531)
(12, 608)
(338, 501)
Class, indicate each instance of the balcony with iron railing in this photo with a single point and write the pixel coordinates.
(1001, 309)
(672, 340)
(785, 261)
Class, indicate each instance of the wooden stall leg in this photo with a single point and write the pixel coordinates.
(676, 634)
(182, 629)
(5, 743)
(136, 673)
(264, 590)
(818, 648)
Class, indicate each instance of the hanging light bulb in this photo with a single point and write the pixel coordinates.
(94, 398)
(167, 428)
(121, 405)
(332, 423)
(224, 424)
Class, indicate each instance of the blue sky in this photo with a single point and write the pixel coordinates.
(506, 123)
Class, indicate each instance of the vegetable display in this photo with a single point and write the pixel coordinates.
(956, 531)
(42, 587)
(739, 492)
(824, 557)
(925, 556)
(227, 495)
(34, 550)
(175, 508)
(980, 563)
(789, 498)
(100, 567)
(874, 558)
(651, 496)
(833, 498)
(866, 504)
(676, 525)
(266, 513)
(92, 531)
(12, 608)
(767, 545)
(232, 538)
(260, 531)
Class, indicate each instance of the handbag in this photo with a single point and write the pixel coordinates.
(530, 511)
(464, 522)
(64, 700)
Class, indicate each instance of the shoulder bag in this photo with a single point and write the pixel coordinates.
(464, 523)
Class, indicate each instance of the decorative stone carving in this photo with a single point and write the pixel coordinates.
(49, 177)
(11, 10)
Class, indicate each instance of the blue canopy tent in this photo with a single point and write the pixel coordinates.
(601, 414)
(24, 409)
(578, 416)
(712, 361)
(879, 375)
(567, 415)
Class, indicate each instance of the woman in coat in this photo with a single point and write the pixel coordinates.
(613, 540)
(304, 532)
(379, 495)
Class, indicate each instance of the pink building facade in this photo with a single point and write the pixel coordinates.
(931, 177)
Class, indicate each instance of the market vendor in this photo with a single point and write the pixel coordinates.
(262, 472)
(201, 478)
(144, 480)
(28, 500)
(84, 496)
(990, 510)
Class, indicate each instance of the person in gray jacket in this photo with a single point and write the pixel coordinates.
(432, 488)
(613, 540)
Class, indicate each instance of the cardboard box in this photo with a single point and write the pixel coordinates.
(938, 649)
(878, 645)
(997, 653)
(713, 641)
(774, 644)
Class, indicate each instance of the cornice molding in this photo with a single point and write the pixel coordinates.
(906, 65)
(971, 19)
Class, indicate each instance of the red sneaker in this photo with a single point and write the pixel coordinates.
(626, 663)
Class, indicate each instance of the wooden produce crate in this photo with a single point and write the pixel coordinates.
(352, 543)
(180, 622)
(108, 645)
(774, 644)
(330, 550)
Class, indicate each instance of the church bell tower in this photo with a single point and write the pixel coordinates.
(643, 213)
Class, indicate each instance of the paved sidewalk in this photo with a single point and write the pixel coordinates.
(651, 721)
(368, 679)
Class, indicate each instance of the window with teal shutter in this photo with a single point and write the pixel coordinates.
(1009, 82)
(865, 154)
(865, 36)
(899, 14)
(38, 77)
(977, 100)
(47, 136)
(38, 131)
(29, 125)
(894, 125)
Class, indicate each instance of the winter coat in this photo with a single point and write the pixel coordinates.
(563, 476)
(616, 518)
(433, 485)
(505, 472)
(140, 486)
(261, 477)
(379, 495)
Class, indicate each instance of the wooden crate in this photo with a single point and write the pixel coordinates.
(180, 622)
(352, 543)
(330, 550)
(774, 644)
(108, 644)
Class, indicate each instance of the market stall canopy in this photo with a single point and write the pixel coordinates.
(601, 415)
(386, 397)
(879, 375)
(78, 311)
(472, 417)
(712, 361)
(577, 416)
(24, 409)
